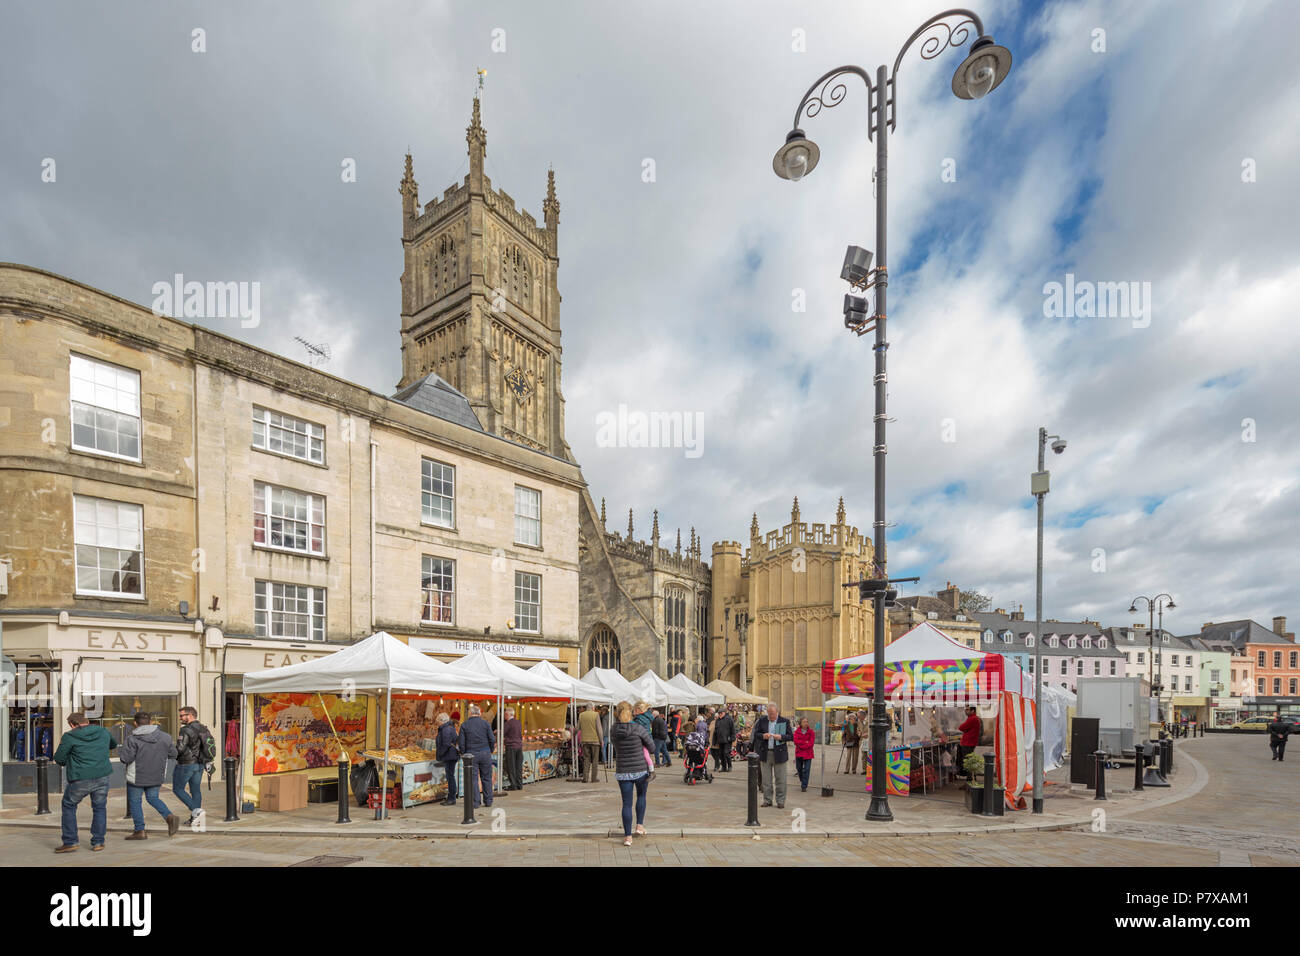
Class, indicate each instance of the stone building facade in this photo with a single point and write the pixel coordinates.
(644, 607)
(784, 598)
(944, 610)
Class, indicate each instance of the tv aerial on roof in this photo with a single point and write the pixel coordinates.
(317, 354)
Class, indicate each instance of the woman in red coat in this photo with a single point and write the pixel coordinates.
(804, 738)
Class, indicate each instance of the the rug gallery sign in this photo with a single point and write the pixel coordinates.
(445, 646)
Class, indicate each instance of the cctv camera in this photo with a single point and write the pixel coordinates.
(857, 265)
(1058, 446)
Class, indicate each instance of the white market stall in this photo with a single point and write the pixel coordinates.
(377, 664)
(700, 696)
(527, 687)
(732, 693)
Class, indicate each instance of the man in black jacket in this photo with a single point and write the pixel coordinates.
(477, 738)
(771, 734)
(1278, 731)
(191, 759)
(448, 753)
(659, 734)
(724, 732)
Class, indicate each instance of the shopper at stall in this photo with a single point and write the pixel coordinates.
(513, 741)
(448, 754)
(195, 749)
(772, 733)
(83, 753)
(1278, 731)
(630, 741)
(590, 732)
(659, 734)
(724, 734)
(851, 740)
(804, 739)
(970, 728)
(477, 738)
(674, 729)
(145, 753)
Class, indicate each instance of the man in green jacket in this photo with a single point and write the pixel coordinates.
(83, 753)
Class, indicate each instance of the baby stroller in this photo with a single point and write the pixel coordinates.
(697, 759)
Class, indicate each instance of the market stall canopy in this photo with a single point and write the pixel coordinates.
(732, 693)
(657, 692)
(612, 681)
(580, 689)
(379, 661)
(702, 695)
(847, 703)
(925, 663)
(514, 681)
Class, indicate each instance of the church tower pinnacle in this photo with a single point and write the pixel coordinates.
(480, 300)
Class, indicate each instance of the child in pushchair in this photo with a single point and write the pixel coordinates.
(697, 758)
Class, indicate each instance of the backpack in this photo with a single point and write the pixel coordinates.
(201, 741)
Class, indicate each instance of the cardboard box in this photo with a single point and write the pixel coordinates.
(282, 792)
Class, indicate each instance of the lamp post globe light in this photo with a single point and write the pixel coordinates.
(1154, 670)
(983, 70)
(1039, 485)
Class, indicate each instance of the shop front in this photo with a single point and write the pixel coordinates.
(1267, 706)
(1190, 708)
(109, 668)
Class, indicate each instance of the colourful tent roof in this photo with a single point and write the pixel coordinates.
(926, 663)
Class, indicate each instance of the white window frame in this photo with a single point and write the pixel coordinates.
(271, 421)
(428, 482)
(932, 615)
(1029, 640)
(988, 637)
(264, 499)
(80, 505)
(525, 521)
(519, 618)
(1113, 662)
(264, 610)
(105, 397)
(427, 572)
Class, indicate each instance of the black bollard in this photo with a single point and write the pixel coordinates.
(1100, 757)
(42, 786)
(1170, 767)
(1137, 767)
(752, 787)
(228, 765)
(1166, 751)
(467, 762)
(344, 767)
(990, 784)
(1151, 777)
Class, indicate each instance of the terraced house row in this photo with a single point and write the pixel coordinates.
(181, 507)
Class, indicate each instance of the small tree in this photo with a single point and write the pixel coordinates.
(973, 601)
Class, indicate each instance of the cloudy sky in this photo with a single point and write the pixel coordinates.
(1148, 143)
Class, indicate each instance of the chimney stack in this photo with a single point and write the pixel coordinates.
(951, 596)
(1279, 626)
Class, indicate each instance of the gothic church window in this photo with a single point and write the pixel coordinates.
(603, 650)
(675, 627)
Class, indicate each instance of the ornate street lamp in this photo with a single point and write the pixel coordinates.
(1154, 669)
(980, 73)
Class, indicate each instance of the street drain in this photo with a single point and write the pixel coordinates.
(329, 861)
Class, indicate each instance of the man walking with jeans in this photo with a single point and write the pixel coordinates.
(191, 759)
(659, 734)
(83, 753)
(145, 753)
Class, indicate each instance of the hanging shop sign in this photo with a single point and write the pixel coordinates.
(291, 732)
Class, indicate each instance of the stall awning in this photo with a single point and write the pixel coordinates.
(732, 693)
(924, 663)
(379, 661)
(513, 681)
(581, 691)
(699, 695)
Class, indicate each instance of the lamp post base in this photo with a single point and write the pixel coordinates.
(1038, 805)
(879, 810)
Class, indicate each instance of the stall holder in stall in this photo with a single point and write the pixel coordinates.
(927, 669)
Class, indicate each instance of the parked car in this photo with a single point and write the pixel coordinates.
(1253, 723)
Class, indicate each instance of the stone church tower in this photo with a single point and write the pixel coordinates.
(480, 305)
(481, 311)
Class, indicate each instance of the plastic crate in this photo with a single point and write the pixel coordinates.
(392, 800)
